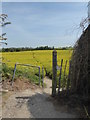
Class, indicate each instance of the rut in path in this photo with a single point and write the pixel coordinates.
(48, 83)
(35, 103)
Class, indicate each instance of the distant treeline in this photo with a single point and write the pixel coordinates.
(37, 48)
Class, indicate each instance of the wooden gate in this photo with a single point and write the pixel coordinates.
(57, 85)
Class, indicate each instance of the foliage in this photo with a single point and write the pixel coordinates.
(32, 49)
(80, 64)
(6, 72)
(3, 22)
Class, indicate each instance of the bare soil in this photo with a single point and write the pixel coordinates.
(30, 101)
(18, 84)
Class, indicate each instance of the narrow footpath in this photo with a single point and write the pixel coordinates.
(35, 103)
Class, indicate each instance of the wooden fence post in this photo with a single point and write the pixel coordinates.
(54, 80)
(64, 80)
(68, 81)
(60, 76)
(42, 77)
(39, 76)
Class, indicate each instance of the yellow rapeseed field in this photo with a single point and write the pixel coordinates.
(39, 58)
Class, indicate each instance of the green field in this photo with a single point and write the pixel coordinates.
(39, 58)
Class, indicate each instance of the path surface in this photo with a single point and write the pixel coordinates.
(34, 104)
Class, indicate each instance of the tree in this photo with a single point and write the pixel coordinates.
(3, 22)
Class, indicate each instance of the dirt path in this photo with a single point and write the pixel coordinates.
(35, 103)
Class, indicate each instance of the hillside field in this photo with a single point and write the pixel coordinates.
(42, 58)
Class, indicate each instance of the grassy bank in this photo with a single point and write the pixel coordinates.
(7, 73)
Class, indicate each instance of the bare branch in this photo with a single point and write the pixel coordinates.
(3, 43)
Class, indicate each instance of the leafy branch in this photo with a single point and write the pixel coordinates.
(3, 22)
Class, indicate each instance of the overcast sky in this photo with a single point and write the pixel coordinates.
(40, 24)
